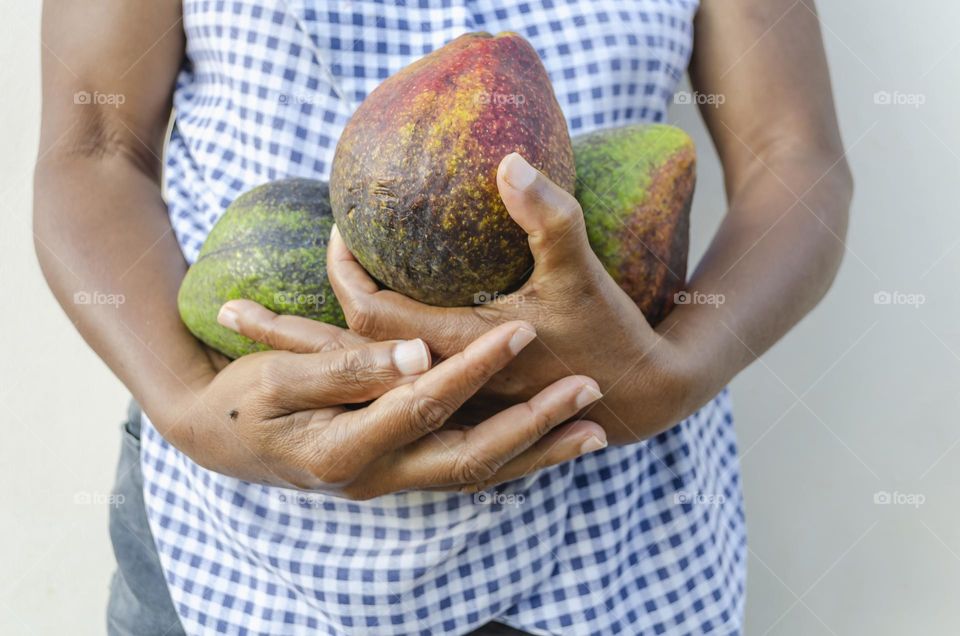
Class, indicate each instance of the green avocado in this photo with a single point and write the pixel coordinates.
(270, 246)
(635, 184)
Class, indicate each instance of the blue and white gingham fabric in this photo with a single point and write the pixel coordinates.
(644, 539)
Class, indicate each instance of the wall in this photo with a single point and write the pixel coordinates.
(859, 400)
(60, 407)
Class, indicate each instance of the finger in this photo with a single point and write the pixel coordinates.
(549, 214)
(297, 382)
(563, 444)
(351, 277)
(284, 333)
(410, 412)
(482, 452)
(510, 432)
(382, 314)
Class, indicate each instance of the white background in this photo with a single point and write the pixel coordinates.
(860, 398)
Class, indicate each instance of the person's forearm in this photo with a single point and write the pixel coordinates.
(107, 250)
(773, 258)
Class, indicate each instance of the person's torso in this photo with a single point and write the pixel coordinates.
(596, 546)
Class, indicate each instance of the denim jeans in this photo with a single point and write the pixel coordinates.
(139, 602)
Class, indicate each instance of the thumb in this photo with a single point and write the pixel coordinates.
(550, 215)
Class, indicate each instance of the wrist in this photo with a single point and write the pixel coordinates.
(666, 386)
(696, 372)
(171, 403)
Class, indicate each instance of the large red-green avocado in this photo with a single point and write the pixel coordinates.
(413, 183)
(635, 185)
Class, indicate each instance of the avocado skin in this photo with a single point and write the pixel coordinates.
(635, 184)
(414, 177)
(270, 246)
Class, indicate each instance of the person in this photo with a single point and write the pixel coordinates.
(322, 487)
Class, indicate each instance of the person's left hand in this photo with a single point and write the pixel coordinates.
(585, 323)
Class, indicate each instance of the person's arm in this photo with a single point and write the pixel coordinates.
(788, 183)
(774, 257)
(103, 235)
(100, 224)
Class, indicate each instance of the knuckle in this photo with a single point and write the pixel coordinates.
(569, 216)
(272, 330)
(271, 374)
(361, 319)
(337, 471)
(429, 413)
(540, 421)
(330, 461)
(349, 366)
(471, 467)
(328, 345)
(481, 367)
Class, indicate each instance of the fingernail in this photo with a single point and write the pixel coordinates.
(229, 318)
(587, 395)
(517, 172)
(411, 357)
(592, 444)
(520, 339)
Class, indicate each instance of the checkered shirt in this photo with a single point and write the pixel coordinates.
(642, 539)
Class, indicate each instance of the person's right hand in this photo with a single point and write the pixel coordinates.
(277, 417)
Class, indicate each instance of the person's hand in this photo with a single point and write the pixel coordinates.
(277, 417)
(584, 321)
